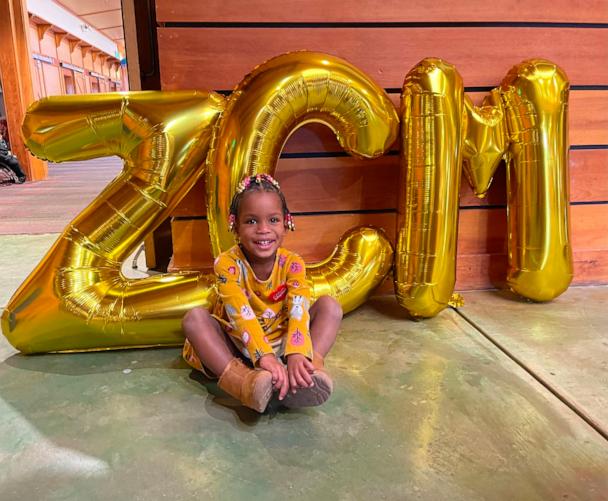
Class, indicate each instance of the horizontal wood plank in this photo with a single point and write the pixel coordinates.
(589, 175)
(588, 117)
(315, 179)
(191, 245)
(481, 242)
(351, 184)
(484, 231)
(586, 11)
(489, 271)
(191, 248)
(588, 123)
(219, 58)
(323, 184)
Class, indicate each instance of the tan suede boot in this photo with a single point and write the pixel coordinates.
(253, 388)
(315, 395)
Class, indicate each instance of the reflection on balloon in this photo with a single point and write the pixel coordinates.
(359, 263)
(272, 102)
(525, 122)
(77, 298)
(432, 134)
(485, 143)
(535, 94)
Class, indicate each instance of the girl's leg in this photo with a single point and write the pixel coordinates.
(252, 388)
(325, 318)
(207, 338)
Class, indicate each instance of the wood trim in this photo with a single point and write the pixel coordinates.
(59, 37)
(342, 11)
(41, 29)
(38, 57)
(85, 48)
(74, 43)
(223, 56)
(488, 271)
(97, 12)
(141, 45)
(16, 62)
(131, 44)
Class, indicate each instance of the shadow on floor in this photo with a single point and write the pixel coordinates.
(79, 364)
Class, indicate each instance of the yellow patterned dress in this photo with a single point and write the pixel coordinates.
(261, 316)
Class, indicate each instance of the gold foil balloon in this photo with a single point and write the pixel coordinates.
(276, 99)
(272, 102)
(363, 255)
(77, 299)
(432, 131)
(485, 143)
(524, 121)
(535, 95)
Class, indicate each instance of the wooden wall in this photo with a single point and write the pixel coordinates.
(213, 45)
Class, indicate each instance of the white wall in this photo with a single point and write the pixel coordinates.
(58, 16)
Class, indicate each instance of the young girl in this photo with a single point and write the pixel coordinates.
(263, 316)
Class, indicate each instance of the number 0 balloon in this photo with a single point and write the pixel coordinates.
(272, 102)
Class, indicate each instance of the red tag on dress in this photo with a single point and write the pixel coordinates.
(278, 294)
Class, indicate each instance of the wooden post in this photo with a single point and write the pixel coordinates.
(144, 74)
(15, 70)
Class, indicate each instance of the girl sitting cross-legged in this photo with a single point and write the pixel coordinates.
(263, 335)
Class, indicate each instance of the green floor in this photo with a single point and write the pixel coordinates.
(501, 399)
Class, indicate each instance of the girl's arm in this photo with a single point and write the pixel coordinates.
(298, 302)
(231, 290)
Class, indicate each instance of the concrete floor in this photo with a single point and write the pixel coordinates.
(501, 399)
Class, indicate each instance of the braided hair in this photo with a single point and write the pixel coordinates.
(258, 182)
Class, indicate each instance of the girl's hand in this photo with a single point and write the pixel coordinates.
(279, 374)
(299, 370)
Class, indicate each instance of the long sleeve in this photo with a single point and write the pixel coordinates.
(298, 301)
(231, 287)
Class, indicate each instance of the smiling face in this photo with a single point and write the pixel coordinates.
(260, 225)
